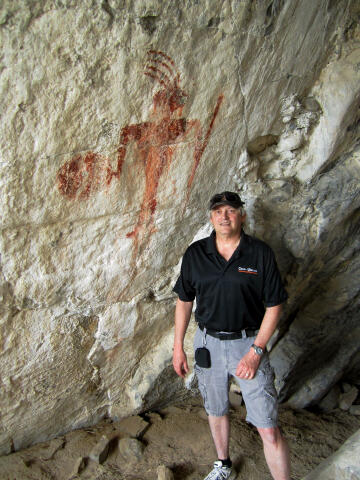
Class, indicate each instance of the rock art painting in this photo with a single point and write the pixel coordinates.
(83, 175)
(154, 143)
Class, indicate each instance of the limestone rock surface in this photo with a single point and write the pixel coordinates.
(344, 464)
(118, 121)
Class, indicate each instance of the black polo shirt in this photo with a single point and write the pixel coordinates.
(230, 295)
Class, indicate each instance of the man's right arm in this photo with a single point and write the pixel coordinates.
(182, 318)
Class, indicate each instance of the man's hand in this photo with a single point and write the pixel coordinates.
(180, 362)
(248, 365)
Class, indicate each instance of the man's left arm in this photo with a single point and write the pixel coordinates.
(249, 364)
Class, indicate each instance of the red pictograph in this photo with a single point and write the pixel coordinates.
(83, 175)
(154, 144)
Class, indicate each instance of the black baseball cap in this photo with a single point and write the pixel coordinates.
(225, 198)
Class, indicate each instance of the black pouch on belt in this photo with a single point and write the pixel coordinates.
(202, 357)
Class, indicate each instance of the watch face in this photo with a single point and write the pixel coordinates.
(258, 350)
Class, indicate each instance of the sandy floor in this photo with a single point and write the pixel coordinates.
(179, 438)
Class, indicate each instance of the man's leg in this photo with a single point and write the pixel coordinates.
(213, 384)
(276, 453)
(220, 430)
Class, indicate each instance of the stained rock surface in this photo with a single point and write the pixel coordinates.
(119, 119)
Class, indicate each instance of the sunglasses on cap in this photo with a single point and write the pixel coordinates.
(225, 198)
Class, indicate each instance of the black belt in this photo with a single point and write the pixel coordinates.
(246, 332)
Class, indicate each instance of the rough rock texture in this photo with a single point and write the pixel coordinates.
(119, 119)
(342, 465)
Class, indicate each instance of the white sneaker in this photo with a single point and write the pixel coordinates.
(220, 472)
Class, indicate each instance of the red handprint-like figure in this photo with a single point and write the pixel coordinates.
(154, 143)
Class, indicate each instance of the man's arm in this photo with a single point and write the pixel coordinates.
(251, 360)
(182, 318)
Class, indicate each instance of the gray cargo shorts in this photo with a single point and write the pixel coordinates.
(259, 393)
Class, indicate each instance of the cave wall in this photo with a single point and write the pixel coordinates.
(119, 119)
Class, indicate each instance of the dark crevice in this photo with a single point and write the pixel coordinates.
(106, 7)
(213, 22)
(148, 23)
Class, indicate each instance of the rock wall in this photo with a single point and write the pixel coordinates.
(119, 120)
(343, 463)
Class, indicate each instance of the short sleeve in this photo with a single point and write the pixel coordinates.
(183, 286)
(274, 292)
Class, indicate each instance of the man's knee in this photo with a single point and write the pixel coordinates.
(270, 436)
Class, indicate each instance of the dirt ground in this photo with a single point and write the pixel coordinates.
(179, 437)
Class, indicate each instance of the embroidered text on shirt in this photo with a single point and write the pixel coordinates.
(249, 270)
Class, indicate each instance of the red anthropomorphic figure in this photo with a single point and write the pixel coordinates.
(154, 144)
(157, 139)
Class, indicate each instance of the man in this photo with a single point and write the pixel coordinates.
(238, 291)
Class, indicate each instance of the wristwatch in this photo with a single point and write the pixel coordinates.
(257, 349)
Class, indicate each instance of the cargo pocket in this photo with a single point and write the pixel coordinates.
(266, 377)
(201, 384)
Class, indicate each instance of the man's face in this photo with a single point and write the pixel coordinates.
(227, 220)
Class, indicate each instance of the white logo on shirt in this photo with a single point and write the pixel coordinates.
(251, 271)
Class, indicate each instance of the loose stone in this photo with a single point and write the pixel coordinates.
(101, 450)
(131, 449)
(348, 398)
(134, 426)
(331, 400)
(79, 466)
(164, 473)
